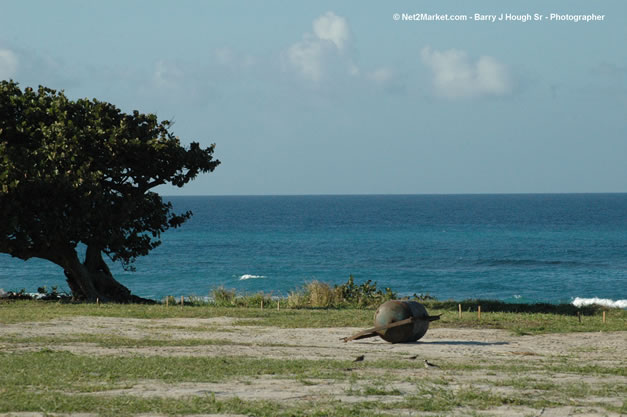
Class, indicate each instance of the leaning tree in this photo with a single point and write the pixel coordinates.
(78, 174)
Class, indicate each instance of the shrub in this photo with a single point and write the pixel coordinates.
(223, 297)
(170, 300)
(314, 294)
(255, 300)
(296, 300)
(319, 294)
(364, 295)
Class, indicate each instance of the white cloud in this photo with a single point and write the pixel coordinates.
(312, 56)
(8, 64)
(456, 76)
(330, 27)
(167, 75)
(381, 75)
(327, 53)
(307, 57)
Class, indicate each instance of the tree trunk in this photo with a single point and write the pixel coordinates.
(92, 280)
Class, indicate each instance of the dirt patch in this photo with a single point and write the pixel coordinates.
(484, 360)
(475, 345)
(30, 414)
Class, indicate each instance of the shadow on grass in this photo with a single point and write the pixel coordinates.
(440, 342)
(460, 343)
(495, 306)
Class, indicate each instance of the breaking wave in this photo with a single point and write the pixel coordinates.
(249, 276)
(580, 302)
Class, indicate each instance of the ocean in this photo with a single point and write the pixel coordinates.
(515, 248)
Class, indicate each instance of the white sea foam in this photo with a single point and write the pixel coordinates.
(580, 302)
(36, 295)
(3, 293)
(249, 276)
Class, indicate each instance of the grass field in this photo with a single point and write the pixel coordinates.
(559, 319)
(202, 360)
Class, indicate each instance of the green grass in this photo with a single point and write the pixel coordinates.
(110, 341)
(380, 390)
(51, 402)
(58, 381)
(517, 367)
(47, 369)
(520, 323)
(441, 400)
(30, 310)
(44, 378)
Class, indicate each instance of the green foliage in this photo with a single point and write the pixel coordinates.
(296, 299)
(53, 293)
(423, 297)
(319, 295)
(81, 171)
(223, 297)
(170, 300)
(18, 295)
(363, 295)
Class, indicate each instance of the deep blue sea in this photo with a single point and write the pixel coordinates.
(522, 247)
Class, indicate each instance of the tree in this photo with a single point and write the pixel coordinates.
(79, 174)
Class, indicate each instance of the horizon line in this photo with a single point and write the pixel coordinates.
(394, 194)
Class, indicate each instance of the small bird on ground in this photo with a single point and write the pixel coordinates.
(430, 365)
(413, 357)
(359, 358)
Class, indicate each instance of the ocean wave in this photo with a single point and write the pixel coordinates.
(580, 302)
(250, 276)
(33, 295)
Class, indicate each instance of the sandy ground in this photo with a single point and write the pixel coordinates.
(447, 348)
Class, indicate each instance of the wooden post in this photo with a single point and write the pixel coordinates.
(167, 301)
(478, 312)
(459, 306)
(604, 317)
(182, 301)
(278, 307)
(262, 303)
(579, 316)
(98, 302)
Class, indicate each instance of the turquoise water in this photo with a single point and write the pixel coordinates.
(509, 247)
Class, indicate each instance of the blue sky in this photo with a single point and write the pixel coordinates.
(339, 98)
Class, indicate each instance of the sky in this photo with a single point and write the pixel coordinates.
(332, 97)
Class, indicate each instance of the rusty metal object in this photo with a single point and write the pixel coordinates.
(398, 321)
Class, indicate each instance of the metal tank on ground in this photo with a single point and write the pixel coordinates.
(398, 321)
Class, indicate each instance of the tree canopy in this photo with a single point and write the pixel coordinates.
(81, 172)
